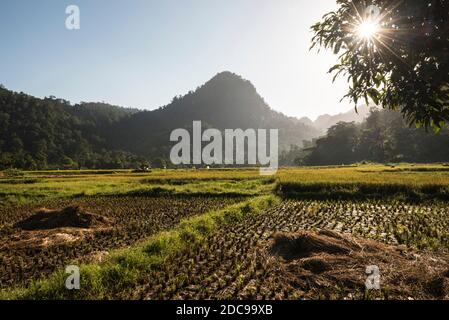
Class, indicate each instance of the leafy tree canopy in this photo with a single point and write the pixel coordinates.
(383, 137)
(394, 52)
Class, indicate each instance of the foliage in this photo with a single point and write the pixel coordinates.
(51, 133)
(294, 156)
(384, 137)
(339, 145)
(404, 65)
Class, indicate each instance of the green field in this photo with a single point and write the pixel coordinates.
(216, 227)
(39, 185)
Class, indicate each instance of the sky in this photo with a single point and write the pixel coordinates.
(142, 53)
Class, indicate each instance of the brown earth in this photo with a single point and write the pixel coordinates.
(35, 242)
(55, 227)
(325, 262)
(70, 217)
(45, 238)
(288, 253)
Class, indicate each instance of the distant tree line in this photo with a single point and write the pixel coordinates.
(51, 133)
(384, 137)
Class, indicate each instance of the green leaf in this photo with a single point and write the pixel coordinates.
(338, 46)
(374, 95)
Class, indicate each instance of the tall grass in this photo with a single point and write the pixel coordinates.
(406, 181)
(367, 190)
(29, 190)
(403, 182)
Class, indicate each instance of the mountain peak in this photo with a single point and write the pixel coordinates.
(326, 121)
(229, 80)
(226, 75)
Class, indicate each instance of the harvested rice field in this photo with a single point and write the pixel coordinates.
(314, 233)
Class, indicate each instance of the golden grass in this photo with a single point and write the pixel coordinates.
(375, 174)
(38, 185)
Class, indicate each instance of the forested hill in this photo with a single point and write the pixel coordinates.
(40, 133)
(51, 133)
(383, 137)
(225, 102)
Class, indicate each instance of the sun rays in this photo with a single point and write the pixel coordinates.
(374, 31)
(368, 29)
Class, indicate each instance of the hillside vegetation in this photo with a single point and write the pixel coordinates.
(52, 133)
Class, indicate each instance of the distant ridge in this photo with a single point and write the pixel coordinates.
(51, 133)
(324, 122)
(227, 101)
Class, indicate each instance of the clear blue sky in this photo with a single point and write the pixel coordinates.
(141, 53)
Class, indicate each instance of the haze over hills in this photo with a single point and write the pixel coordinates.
(225, 102)
(50, 132)
(324, 122)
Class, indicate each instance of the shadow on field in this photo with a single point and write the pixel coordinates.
(363, 191)
(166, 192)
(160, 192)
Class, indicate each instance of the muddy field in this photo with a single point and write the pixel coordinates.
(306, 234)
(33, 245)
(270, 256)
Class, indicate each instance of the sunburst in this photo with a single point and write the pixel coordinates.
(374, 31)
(368, 29)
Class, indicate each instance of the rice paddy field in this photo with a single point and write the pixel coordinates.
(305, 233)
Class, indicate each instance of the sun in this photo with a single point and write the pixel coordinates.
(368, 29)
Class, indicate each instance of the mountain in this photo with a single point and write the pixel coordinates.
(324, 122)
(47, 133)
(225, 102)
(307, 121)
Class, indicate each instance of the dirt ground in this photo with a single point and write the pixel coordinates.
(327, 263)
(274, 256)
(55, 227)
(35, 241)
